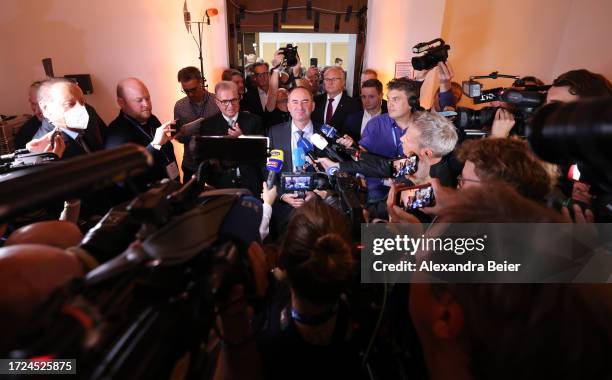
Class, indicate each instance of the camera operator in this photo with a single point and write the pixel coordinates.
(474, 331)
(507, 160)
(578, 84)
(309, 321)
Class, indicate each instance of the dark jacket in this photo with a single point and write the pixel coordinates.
(252, 103)
(280, 138)
(346, 106)
(352, 124)
(125, 130)
(27, 132)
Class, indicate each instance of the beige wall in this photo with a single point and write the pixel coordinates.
(113, 39)
(522, 37)
(109, 39)
(586, 39)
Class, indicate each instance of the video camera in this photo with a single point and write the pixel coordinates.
(151, 306)
(522, 100)
(290, 54)
(22, 159)
(435, 51)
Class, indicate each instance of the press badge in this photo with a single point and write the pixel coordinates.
(172, 170)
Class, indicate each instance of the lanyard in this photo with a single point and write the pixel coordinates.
(139, 127)
(397, 151)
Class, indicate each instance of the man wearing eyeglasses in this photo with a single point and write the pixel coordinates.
(256, 98)
(335, 105)
(198, 103)
(233, 123)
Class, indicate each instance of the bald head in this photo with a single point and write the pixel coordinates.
(30, 273)
(134, 100)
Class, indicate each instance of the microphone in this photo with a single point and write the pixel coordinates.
(308, 149)
(187, 17)
(322, 144)
(331, 134)
(274, 166)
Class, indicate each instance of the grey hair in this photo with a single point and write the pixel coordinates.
(435, 132)
(226, 85)
(42, 96)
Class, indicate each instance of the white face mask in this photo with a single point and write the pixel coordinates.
(76, 117)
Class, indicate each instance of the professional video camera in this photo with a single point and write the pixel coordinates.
(522, 102)
(22, 159)
(290, 54)
(168, 257)
(578, 133)
(435, 51)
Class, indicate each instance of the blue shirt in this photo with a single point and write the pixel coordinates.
(381, 136)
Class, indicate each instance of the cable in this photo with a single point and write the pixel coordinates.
(377, 326)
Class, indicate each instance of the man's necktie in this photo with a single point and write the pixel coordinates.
(330, 111)
(81, 141)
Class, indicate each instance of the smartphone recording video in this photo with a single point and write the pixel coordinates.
(298, 182)
(406, 166)
(415, 197)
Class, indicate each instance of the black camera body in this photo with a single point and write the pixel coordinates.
(435, 51)
(523, 105)
(290, 54)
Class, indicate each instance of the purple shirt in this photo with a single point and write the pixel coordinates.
(381, 136)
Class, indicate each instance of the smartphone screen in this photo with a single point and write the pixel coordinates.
(296, 183)
(314, 62)
(415, 197)
(406, 166)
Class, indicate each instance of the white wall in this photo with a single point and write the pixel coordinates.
(109, 39)
(394, 27)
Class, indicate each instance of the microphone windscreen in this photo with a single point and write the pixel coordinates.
(319, 141)
(329, 131)
(305, 145)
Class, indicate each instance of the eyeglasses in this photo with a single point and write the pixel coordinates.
(331, 80)
(259, 75)
(461, 181)
(227, 102)
(190, 90)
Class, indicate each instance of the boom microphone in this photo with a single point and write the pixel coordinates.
(274, 166)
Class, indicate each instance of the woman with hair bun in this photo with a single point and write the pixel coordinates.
(308, 331)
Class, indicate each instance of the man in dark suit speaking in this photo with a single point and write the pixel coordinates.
(286, 137)
(233, 123)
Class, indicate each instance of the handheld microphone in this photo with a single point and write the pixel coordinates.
(329, 131)
(274, 166)
(331, 134)
(308, 149)
(322, 144)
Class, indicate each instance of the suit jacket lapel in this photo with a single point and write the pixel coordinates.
(285, 135)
